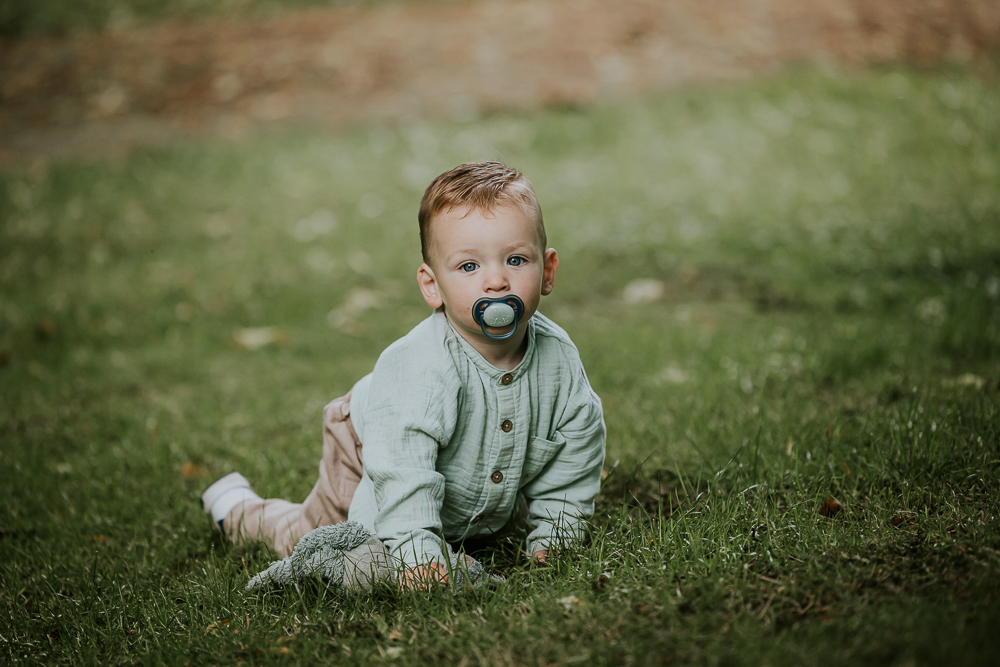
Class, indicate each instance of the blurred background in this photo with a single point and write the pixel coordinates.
(99, 76)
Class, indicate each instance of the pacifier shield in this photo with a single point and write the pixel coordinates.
(498, 315)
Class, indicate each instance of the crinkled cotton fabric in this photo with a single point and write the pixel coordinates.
(451, 443)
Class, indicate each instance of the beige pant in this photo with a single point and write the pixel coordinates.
(279, 523)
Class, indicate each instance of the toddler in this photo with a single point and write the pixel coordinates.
(481, 406)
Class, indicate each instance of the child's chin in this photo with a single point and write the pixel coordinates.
(501, 331)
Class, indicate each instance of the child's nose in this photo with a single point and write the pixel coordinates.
(496, 281)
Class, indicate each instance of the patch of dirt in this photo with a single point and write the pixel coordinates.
(102, 94)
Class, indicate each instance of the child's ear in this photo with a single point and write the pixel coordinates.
(549, 271)
(428, 286)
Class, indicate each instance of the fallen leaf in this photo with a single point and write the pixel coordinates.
(46, 329)
(829, 507)
(570, 601)
(932, 311)
(672, 374)
(969, 380)
(256, 338)
(643, 290)
(357, 302)
(190, 470)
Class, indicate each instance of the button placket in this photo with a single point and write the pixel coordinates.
(507, 404)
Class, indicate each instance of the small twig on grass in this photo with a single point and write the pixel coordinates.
(767, 605)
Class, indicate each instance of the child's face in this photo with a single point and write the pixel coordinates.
(475, 255)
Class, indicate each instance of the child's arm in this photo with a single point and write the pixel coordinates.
(562, 496)
(406, 419)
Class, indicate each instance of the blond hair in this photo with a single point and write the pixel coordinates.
(482, 186)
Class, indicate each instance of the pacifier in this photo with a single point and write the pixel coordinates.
(498, 312)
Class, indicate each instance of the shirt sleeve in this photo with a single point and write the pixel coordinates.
(407, 419)
(562, 496)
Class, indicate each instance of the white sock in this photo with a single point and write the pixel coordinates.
(225, 503)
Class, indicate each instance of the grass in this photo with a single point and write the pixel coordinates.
(29, 18)
(803, 451)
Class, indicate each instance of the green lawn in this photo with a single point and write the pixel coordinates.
(802, 427)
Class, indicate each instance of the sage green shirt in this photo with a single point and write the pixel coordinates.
(451, 443)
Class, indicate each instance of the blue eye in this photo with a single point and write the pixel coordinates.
(515, 261)
(468, 267)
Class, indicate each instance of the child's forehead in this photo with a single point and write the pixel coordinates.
(477, 223)
(468, 228)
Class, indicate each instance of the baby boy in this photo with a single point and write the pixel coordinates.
(482, 405)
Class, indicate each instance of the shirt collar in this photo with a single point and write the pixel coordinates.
(481, 363)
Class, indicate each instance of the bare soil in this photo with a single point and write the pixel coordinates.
(97, 95)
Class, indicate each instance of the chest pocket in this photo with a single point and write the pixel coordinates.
(540, 453)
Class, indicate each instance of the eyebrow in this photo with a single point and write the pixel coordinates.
(463, 251)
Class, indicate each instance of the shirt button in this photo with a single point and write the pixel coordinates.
(477, 518)
(506, 425)
(497, 477)
(507, 378)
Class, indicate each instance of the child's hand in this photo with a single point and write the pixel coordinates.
(424, 577)
(540, 556)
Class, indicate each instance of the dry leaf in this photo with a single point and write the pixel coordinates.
(570, 601)
(46, 329)
(256, 338)
(965, 380)
(829, 507)
(357, 302)
(190, 470)
(643, 290)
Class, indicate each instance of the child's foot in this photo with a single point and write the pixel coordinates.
(224, 494)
